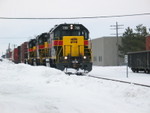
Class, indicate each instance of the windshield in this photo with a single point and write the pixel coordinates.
(71, 33)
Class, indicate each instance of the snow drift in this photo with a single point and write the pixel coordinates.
(39, 89)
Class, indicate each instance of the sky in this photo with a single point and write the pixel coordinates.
(16, 32)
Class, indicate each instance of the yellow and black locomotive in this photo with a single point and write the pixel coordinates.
(69, 47)
(64, 46)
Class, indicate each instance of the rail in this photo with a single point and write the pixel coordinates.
(138, 84)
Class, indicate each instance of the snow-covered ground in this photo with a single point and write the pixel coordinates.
(39, 89)
(121, 73)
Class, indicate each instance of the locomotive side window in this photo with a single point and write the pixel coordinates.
(85, 34)
(46, 37)
(49, 40)
(51, 35)
(30, 45)
(40, 41)
(57, 33)
(34, 43)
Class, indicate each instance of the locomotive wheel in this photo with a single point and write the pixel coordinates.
(60, 66)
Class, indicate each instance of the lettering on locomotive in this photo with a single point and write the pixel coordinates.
(74, 40)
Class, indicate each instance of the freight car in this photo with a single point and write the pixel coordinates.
(20, 53)
(24, 52)
(15, 55)
(139, 61)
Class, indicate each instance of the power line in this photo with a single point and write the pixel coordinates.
(88, 17)
(14, 37)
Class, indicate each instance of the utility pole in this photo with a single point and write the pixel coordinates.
(117, 27)
(9, 50)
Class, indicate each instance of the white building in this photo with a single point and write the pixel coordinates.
(105, 51)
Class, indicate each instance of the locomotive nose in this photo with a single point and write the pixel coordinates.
(73, 46)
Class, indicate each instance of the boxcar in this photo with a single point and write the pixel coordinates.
(23, 52)
(19, 54)
(139, 61)
(15, 55)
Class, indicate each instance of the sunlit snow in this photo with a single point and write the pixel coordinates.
(39, 89)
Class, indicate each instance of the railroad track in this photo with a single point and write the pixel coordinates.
(138, 84)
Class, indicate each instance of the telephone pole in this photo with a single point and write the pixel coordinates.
(117, 27)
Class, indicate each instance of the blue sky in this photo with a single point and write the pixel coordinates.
(19, 31)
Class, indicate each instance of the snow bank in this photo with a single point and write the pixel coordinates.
(39, 89)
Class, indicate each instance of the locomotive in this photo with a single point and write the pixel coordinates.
(69, 47)
(64, 46)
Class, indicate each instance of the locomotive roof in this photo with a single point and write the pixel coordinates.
(41, 35)
(66, 24)
(31, 40)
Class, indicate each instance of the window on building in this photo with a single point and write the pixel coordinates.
(100, 58)
(94, 58)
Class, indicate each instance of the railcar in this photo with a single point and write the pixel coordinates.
(42, 49)
(69, 47)
(24, 52)
(139, 61)
(19, 54)
(32, 54)
(15, 55)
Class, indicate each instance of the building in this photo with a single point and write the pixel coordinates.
(105, 51)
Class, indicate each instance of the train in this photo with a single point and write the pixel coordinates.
(64, 46)
(140, 61)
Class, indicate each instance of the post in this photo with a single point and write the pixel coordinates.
(117, 43)
(126, 62)
(127, 71)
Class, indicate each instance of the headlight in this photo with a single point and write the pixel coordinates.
(71, 26)
(84, 57)
(65, 57)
